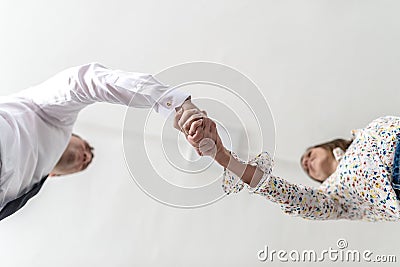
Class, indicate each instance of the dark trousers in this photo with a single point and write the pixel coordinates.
(16, 204)
(396, 169)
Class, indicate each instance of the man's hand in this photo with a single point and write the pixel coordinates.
(186, 115)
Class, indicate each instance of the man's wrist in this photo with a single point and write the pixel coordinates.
(188, 105)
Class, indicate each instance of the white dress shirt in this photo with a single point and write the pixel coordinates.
(36, 124)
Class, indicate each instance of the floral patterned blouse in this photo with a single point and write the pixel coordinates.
(359, 189)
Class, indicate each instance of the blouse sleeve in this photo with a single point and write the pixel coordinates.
(294, 199)
(233, 184)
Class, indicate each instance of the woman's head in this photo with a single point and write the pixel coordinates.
(319, 162)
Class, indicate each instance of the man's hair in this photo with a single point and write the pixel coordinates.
(331, 145)
(74, 134)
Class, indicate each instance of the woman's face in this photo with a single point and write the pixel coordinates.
(318, 163)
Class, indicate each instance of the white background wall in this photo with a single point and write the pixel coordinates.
(325, 67)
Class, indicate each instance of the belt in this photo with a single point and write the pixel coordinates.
(396, 169)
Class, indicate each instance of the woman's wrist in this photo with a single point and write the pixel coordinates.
(223, 157)
(228, 161)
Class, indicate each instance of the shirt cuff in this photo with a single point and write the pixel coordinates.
(171, 100)
(233, 184)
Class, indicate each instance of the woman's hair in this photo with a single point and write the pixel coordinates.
(331, 145)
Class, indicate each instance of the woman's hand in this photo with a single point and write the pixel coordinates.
(200, 131)
(204, 137)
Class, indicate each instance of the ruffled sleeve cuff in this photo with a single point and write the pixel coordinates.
(233, 184)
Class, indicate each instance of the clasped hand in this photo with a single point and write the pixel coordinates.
(200, 131)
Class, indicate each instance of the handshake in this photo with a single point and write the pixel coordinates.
(200, 131)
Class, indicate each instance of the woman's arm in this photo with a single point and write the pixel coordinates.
(248, 173)
(294, 199)
(204, 137)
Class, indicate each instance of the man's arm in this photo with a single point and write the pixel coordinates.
(60, 99)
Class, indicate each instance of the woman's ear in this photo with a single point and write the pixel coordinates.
(338, 153)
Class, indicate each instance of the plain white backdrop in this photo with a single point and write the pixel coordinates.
(325, 67)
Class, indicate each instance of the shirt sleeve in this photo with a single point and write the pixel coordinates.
(60, 99)
(294, 199)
